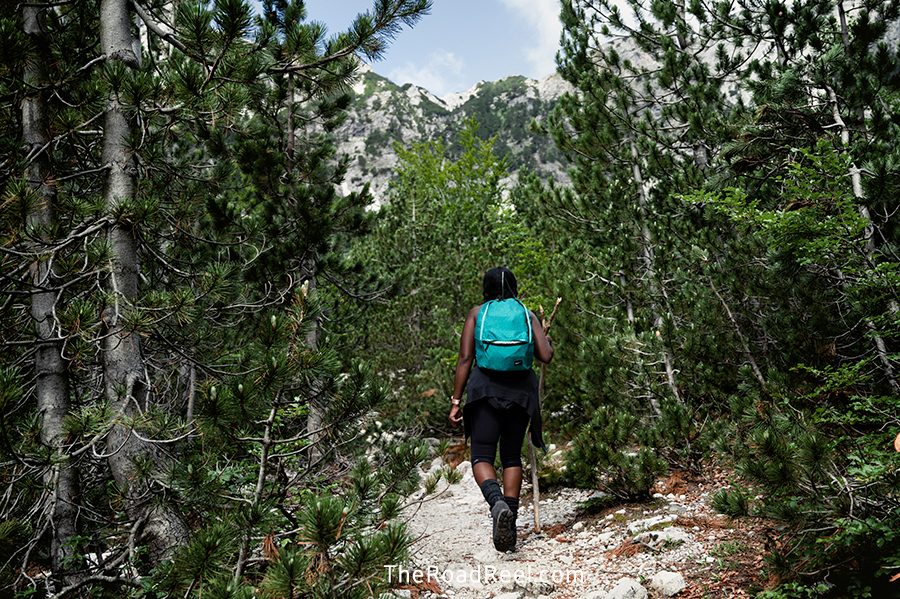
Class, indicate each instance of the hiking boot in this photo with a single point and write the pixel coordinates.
(504, 527)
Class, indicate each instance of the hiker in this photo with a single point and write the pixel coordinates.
(501, 400)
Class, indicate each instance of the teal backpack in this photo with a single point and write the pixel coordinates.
(503, 336)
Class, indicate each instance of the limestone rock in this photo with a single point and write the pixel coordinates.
(668, 583)
(648, 523)
(628, 588)
(671, 535)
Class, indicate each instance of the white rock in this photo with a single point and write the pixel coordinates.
(642, 525)
(668, 583)
(402, 593)
(673, 535)
(537, 586)
(513, 595)
(628, 588)
(595, 595)
(605, 537)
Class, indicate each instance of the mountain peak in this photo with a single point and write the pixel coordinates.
(383, 113)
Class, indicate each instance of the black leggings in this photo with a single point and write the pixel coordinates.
(492, 425)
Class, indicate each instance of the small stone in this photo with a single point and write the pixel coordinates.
(648, 523)
(402, 593)
(627, 588)
(536, 586)
(486, 556)
(671, 535)
(514, 595)
(668, 583)
(605, 537)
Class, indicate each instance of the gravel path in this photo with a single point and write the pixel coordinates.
(677, 537)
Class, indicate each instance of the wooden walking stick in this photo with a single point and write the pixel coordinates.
(536, 498)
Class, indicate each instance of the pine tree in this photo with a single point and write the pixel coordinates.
(810, 435)
(139, 284)
(51, 375)
(643, 127)
(639, 130)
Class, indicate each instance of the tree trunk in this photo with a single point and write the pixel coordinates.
(650, 267)
(51, 374)
(315, 419)
(881, 350)
(126, 383)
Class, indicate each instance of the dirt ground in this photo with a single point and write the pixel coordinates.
(582, 552)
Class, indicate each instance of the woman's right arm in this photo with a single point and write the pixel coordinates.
(464, 362)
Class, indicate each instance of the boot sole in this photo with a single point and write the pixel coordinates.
(504, 528)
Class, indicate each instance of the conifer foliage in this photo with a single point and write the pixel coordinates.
(734, 252)
(165, 223)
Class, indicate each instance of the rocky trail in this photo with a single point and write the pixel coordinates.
(675, 545)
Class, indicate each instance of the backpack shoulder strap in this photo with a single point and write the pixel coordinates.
(527, 319)
(482, 317)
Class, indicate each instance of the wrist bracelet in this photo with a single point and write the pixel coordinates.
(454, 400)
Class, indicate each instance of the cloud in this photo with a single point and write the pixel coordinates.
(440, 74)
(543, 17)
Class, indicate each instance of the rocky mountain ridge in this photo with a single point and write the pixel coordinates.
(382, 113)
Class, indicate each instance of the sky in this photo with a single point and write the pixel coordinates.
(461, 42)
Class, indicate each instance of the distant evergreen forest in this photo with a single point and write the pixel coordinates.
(220, 375)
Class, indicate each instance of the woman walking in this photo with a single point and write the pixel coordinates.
(501, 400)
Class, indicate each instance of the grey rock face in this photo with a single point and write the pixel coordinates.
(382, 114)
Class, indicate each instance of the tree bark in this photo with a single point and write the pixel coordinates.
(650, 266)
(881, 350)
(51, 373)
(126, 383)
(315, 419)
